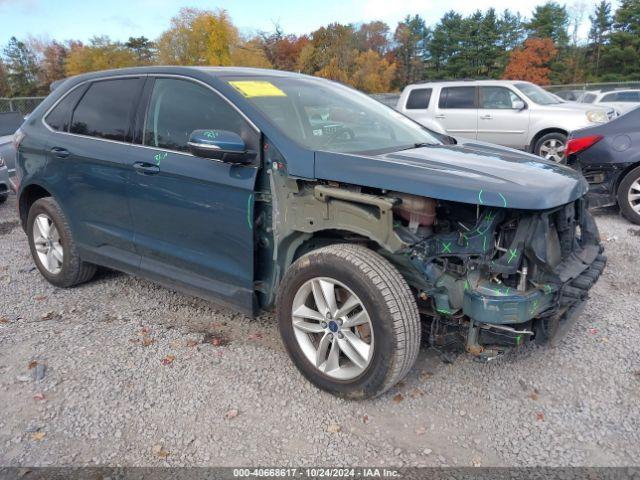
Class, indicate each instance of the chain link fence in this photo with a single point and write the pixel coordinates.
(24, 105)
(604, 86)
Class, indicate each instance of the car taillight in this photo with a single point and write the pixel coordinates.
(17, 138)
(577, 145)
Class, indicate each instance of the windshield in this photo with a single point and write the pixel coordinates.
(537, 95)
(321, 115)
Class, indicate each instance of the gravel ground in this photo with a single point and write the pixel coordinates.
(130, 373)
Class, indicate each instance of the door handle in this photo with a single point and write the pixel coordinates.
(440, 115)
(486, 117)
(60, 152)
(145, 168)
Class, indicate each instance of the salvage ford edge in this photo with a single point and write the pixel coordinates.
(259, 189)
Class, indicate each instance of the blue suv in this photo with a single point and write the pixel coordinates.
(259, 189)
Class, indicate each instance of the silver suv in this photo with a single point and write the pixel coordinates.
(511, 113)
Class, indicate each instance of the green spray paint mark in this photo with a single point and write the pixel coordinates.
(534, 307)
(444, 311)
(467, 286)
(506, 292)
(211, 134)
(446, 247)
(503, 199)
(484, 243)
(518, 339)
(548, 289)
(488, 217)
(159, 157)
(249, 202)
(480, 197)
(513, 253)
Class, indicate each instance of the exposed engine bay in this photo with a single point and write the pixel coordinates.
(500, 277)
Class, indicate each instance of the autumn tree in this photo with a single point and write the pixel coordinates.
(283, 51)
(198, 37)
(249, 53)
(372, 73)
(100, 54)
(531, 62)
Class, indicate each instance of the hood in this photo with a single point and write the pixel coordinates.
(470, 172)
(577, 107)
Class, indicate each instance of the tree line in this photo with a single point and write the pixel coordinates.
(373, 57)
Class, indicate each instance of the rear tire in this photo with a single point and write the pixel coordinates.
(628, 195)
(55, 255)
(551, 147)
(390, 336)
(3, 198)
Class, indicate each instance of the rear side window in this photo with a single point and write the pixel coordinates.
(106, 109)
(610, 97)
(588, 98)
(59, 118)
(178, 107)
(419, 98)
(458, 97)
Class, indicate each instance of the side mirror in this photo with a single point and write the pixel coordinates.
(220, 145)
(518, 105)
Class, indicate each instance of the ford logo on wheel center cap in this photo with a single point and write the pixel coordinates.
(333, 326)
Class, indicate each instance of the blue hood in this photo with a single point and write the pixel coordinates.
(469, 172)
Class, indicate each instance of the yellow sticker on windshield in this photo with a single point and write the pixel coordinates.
(251, 88)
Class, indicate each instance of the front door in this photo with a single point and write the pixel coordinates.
(499, 121)
(193, 216)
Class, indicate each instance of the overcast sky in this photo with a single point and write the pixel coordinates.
(74, 19)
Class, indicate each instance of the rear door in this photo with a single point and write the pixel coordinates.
(193, 216)
(457, 111)
(499, 121)
(89, 156)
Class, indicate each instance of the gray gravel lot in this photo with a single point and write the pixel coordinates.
(134, 374)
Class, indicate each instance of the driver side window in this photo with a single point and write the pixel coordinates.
(178, 107)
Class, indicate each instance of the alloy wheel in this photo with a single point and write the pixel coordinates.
(47, 242)
(634, 196)
(553, 149)
(332, 327)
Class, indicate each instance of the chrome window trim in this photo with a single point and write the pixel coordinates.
(146, 75)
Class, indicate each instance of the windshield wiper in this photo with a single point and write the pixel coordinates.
(418, 145)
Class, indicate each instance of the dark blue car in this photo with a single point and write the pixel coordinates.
(259, 189)
(609, 157)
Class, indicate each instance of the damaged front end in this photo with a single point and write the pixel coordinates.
(496, 278)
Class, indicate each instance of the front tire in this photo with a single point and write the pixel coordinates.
(52, 246)
(348, 321)
(551, 147)
(629, 196)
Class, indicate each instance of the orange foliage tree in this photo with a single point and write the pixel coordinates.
(531, 62)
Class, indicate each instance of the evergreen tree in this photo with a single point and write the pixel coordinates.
(143, 48)
(22, 68)
(601, 23)
(550, 20)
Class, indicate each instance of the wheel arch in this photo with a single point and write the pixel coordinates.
(28, 196)
(624, 173)
(542, 133)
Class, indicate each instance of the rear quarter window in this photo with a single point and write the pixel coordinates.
(419, 99)
(457, 97)
(59, 118)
